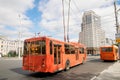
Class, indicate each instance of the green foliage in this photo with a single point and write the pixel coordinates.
(12, 54)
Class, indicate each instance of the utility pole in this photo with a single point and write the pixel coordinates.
(117, 26)
(116, 16)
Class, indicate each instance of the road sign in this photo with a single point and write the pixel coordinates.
(118, 40)
(117, 35)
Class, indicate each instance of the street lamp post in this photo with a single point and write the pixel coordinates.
(19, 37)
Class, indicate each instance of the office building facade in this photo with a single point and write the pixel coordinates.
(91, 33)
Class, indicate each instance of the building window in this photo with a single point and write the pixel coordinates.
(88, 19)
(1, 46)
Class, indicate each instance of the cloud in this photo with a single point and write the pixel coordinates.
(107, 20)
(52, 15)
(9, 16)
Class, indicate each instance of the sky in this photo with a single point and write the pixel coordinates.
(29, 17)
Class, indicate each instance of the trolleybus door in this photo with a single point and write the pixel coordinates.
(76, 54)
(57, 55)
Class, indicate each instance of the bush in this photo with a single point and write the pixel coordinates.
(12, 54)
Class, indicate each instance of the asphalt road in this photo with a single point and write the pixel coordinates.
(10, 69)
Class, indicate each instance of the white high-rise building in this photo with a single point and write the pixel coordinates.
(91, 33)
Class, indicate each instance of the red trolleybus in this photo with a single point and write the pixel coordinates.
(109, 53)
(43, 54)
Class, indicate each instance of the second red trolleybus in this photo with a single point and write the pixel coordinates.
(109, 53)
(44, 54)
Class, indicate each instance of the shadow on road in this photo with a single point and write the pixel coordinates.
(109, 61)
(4, 79)
(42, 75)
(62, 75)
(33, 74)
(20, 71)
(98, 60)
(80, 72)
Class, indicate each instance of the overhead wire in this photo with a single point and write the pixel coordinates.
(76, 5)
(72, 11)
(78, 16)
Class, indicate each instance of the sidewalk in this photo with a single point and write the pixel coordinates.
(10, 58)
(112, 73)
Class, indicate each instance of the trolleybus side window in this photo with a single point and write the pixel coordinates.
(72, 49)
(69, 49)
(51, 51)
(81, 50)
(66, 46)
